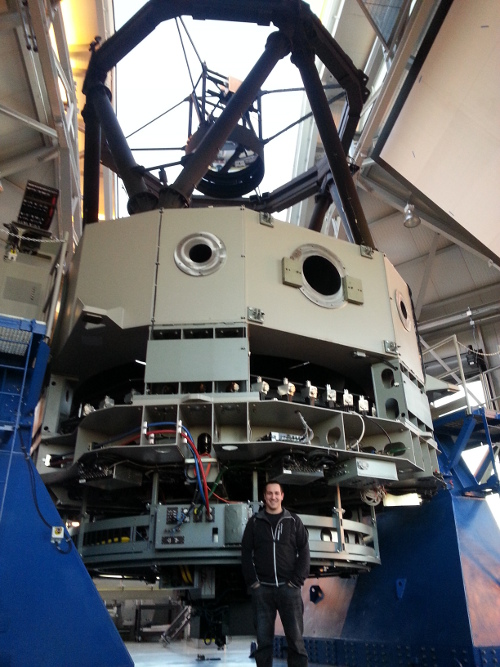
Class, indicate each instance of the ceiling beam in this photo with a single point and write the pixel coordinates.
(426, 276)
(63, 113)
(392, 217)
(9, 21)
(471, 315)
(488, 293)
(398, 199)
(31, 122)
(28, 160)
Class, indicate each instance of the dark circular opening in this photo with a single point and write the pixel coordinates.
(321, 275)
(387, 378)
(392, 408)
(200, 253)
(404, 312)
(333, 436)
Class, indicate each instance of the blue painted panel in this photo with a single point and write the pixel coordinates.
(434, 600)
(479, 541)
(419, 545)
(51, 613)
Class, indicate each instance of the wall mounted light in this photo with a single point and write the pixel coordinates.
(410, 219)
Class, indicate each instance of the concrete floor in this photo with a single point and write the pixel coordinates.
(191, 652)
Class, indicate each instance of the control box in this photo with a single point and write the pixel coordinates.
(360, 472)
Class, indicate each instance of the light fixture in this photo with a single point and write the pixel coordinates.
(471, 356)
(410, 219)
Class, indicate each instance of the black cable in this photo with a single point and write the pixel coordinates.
(163, 166)
(300, 89)
(300, 120)
(159, 148)
(68, 541)
(29, 463)
(185, 54)
(31, 472)
(157, 117)
(189, 37)
(380, 427)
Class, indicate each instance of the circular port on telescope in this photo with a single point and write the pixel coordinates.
(403, 311)
(200, 254)
(322, 274)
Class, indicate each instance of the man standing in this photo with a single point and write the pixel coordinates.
(275, 562)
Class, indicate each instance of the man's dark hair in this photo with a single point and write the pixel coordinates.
(272, 481)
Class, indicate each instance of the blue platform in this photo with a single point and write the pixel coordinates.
(435, 599)
(50, 611)
(433, 602)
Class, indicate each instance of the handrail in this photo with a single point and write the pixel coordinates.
(454, 340)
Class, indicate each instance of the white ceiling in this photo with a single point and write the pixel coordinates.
(446, 138)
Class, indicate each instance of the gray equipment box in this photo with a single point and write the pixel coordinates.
(359, 472)
(177, 527)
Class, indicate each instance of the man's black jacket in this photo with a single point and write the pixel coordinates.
(275, 556)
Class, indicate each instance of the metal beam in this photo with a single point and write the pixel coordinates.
(456, 235)
(458, 318)
(392, 82)
(34, 74)
(49, 69)
(9, 21)
(63, 115)
(140, 199)
(426, 276)
(347, 203)
(485, 294)
(31, 122)
(460, 378)
(28, 160)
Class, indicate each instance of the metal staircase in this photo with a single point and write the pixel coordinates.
(466, 425)
(464, 430)
(23, 359)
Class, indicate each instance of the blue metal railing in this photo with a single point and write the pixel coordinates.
(23, 359)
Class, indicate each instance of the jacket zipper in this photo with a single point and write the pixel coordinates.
(274, 533)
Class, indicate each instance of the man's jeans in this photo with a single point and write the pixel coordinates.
(287, 601)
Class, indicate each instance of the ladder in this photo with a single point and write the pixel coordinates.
(23, 359)
(177, 625)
